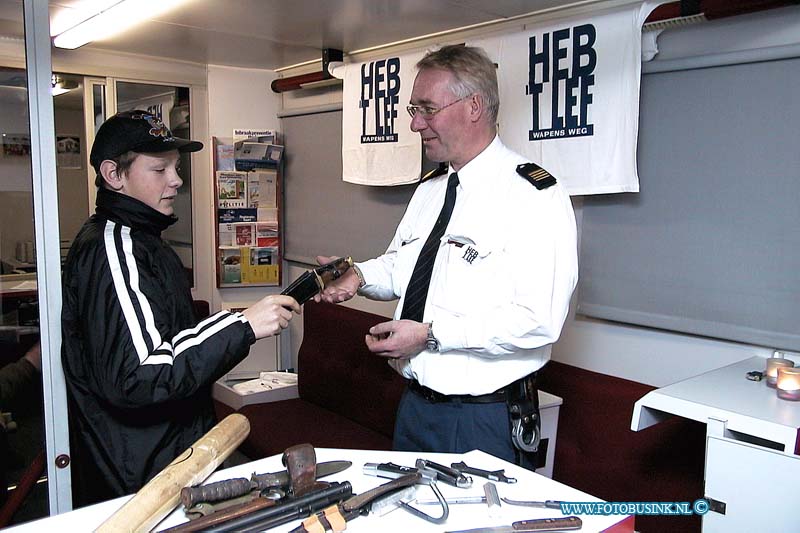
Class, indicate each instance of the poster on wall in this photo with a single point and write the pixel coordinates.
(569, 93)
(16, 144)
(68, 151)
(378, 146)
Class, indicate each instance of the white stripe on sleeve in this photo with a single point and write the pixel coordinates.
(144, 303)
(122, 293)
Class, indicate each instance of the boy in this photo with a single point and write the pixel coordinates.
(138, 365)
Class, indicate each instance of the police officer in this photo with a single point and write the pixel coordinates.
(484, 263)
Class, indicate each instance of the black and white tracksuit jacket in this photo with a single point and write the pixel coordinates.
(138, 366)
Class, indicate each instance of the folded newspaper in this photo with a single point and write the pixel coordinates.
(266, 381)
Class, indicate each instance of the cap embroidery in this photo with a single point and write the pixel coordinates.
(158, 129)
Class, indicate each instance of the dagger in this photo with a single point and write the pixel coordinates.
(314, 281)
(232, 488)
(568, 523)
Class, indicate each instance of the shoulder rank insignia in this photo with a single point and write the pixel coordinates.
(539, 177)
(435, 173)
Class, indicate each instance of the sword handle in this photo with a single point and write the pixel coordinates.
(214, 492)
(314, 281)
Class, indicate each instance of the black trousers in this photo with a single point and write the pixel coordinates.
(452, 427)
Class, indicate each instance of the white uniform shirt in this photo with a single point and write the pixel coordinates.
(502, 279)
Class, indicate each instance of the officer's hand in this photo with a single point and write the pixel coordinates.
(339, 290)
(271, 314)
(397, 339)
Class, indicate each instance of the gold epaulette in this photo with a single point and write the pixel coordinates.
(536, 175)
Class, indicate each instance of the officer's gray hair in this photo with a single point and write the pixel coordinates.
(473, 70)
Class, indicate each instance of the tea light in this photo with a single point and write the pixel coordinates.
(788, 383)
(773, 364)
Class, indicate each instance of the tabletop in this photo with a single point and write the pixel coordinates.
(749, 407)
(530, 486)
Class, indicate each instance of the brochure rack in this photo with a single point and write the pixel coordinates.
(247, 208)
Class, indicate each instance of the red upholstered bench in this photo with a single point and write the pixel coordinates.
(598, 453)
(348, 396)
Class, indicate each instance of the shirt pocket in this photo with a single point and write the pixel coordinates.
(408, 249)
(472, 275)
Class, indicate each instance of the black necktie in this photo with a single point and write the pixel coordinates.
(417, 291)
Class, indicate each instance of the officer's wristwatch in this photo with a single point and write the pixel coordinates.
(361, 280)
(431, 343)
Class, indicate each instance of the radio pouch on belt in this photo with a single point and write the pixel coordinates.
(523, 410)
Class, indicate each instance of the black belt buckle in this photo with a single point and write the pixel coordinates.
(427, 393)
(430, 395)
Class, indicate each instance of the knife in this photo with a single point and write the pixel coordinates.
(232, 488)
(494, 475)
(436, 471)
(568, 523)
(548, 504)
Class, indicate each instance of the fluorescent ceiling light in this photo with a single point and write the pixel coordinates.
(98, 19)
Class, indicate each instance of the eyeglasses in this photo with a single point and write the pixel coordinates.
(427, 112)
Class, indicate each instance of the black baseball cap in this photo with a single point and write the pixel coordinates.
(135, 131)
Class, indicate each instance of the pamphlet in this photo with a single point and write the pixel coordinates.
(231, 189)
(231, 265)
(226, 235)
(260, 265)
(245, 234)
(262, 188)
(225, 158)
(229, 216)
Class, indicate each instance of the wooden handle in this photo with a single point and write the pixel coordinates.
(161, 494)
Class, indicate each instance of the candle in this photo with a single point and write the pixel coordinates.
(788, 383)
(773, 364)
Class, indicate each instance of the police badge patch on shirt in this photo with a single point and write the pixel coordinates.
(467, 249)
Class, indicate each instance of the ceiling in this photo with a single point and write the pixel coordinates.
(271, 34)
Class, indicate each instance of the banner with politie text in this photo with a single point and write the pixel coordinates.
(378, 146)
(569, 96)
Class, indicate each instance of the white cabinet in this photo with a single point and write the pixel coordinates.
(751, 445)
(758, 486)
(549, 407)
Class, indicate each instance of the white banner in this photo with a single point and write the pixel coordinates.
(569, 96)
(378, 146)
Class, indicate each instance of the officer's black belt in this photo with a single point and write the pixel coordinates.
(498, 396)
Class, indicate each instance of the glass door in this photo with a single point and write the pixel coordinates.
(35, 434)
(21, 397)
(96, 107)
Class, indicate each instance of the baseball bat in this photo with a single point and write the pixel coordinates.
(161, 495)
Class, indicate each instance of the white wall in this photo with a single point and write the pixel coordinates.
(642, 354)
(240, 98)
(653, 356)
